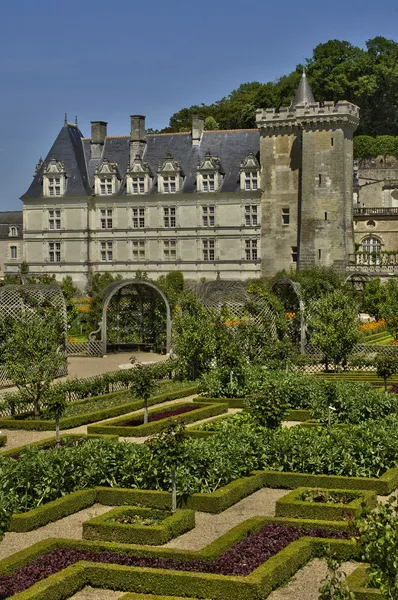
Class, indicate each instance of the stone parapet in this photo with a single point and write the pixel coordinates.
(306, 115)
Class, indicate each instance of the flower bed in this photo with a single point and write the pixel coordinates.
(122, 426)
(325, 504)
(166, 413)
(240, 559)
(137, 525)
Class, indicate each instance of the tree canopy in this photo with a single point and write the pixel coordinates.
(337, 70)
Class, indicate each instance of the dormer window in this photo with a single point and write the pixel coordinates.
(209, 177)
(249, 173)
(138, 177)
(107, 179)
(13, 231)
(170, 176)
(54, 178)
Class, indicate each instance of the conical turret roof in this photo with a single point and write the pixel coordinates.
(304, 93)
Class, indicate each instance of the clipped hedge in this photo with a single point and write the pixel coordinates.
(357, 582)
(51, 442)
(94, 416)
(52, 511)
(232, 402)
(3, 440)
(291, 506)
(103, 528)
(115, 426)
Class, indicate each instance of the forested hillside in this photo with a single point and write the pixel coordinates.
(337, 70)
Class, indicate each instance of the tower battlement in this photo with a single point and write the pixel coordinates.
(305, 114)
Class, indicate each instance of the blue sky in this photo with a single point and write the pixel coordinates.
(106, 60)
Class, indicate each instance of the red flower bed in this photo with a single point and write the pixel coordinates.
(240, 559)
(164, 414)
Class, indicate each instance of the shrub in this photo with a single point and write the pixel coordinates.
(266, 409)
(386, 367)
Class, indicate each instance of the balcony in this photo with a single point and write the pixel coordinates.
(374, 262)
(364, 211)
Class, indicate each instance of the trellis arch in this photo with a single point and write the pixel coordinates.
(230, 293)
(117, 288)
(283, 283)
(358, 280)
(18, 300)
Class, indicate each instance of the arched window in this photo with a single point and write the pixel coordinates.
(371, 247)
(13, 231)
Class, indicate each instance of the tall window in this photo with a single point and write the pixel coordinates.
(169, 250)
(54, 251)
(208, 182)
(251, 215)
(294, 254)
(251, 180)
(106, 218)
(251, 249)
(285, 216)
(54, 219)
(138, 185)
(169, 216)
(208, 216)
(169, 184)
(208, 247)
(139, 250)
(106, 251)
(54, 186)
(13, 252)
(139, 218)
(106, 186)
(371, 247)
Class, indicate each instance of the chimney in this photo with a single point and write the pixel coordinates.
(198, 124)
(98, 135)
(137, 136)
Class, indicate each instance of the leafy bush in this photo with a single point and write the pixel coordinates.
(386, 367)
(266, 409)
(222, 382)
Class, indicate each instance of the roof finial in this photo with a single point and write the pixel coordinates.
(66, 120)
(76, 121)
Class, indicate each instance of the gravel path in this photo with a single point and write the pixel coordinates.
(89, 593)
(306, 583)
(210, 527)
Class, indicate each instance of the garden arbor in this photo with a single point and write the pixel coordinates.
(136, 313)
(290, 294)
(35, 302)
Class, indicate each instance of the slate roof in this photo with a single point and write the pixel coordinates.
(74, 151)
(304, 93)
(7, 220)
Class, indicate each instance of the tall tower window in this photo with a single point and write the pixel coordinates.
(285, 216)
(294, 254)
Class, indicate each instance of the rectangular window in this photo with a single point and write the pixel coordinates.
(139, 250)
(54, 251)
(169, 216)
(319, 254)
(208, 213)
(251, 217)
(106, 218)
(138, 184)
(139, 218)
(54, 219)
(106, 186)
(294, 254)
(13, 252)
(208, 182)
(169, 250)
(169, 184)
(251, 249)
(106, 251)
(285, 216)
(326, 216)
(319, 179)
(251, 181)
(54, 186)
(208, 247)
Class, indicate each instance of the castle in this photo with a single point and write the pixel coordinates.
(232, 204)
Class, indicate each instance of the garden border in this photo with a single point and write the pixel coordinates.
(100, 528)
(357, 583)
(293, 414)
(49, 442)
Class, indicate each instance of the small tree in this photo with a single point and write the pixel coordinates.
(169, 451)
(56, 405)
(378, 542)
(386, 366)
(333, 586)
(32, 357)
(267, 408)
(333, 325)
(143, 386)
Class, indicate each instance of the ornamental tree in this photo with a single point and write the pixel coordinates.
(143, 386)
(332, 321)
(386, 367)
(55, 406)
(32, 356)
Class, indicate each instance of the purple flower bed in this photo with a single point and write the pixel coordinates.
(240, 559)
(164, 414)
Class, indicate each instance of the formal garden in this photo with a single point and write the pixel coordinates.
(238, 467)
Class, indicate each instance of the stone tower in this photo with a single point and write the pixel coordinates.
(307, 178)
